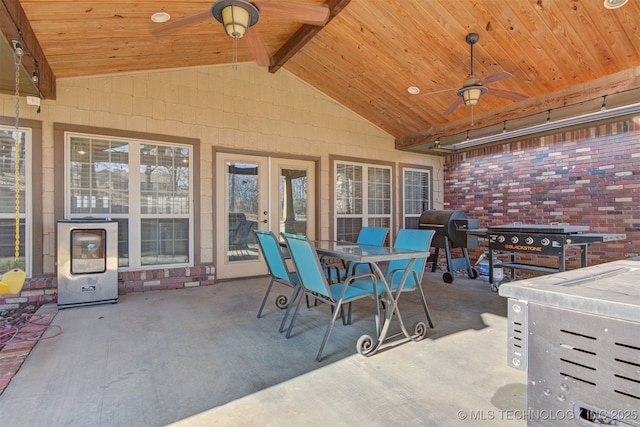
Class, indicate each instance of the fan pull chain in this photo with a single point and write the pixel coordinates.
(235, 54)
(17, 58)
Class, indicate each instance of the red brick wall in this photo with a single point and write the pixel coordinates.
(37, 291)
(584, 177)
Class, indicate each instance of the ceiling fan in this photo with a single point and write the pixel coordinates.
(239, 16)
(473, 87)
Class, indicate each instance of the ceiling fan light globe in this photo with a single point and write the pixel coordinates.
(471, 95)
(235, 20)
(236, 16)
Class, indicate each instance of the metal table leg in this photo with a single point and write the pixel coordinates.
(366, 346)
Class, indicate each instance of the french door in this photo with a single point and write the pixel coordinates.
(264, 193)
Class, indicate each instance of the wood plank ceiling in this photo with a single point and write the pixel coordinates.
(558, 52)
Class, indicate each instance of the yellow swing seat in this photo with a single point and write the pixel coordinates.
(12, 281)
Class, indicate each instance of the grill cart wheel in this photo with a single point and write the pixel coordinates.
(448, 277)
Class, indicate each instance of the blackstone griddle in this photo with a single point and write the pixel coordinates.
(537, 239)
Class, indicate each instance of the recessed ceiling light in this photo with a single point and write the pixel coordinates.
(160, 17)
(413, 90)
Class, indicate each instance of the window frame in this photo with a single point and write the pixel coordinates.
(404, 168)
(364, 164)
(61, 133)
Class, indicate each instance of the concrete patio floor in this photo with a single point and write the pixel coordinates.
(200, 357)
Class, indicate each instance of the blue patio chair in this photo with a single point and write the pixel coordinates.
(278, 270)
(417, 240)
(372, 235)
(314, 284)
(367, 236)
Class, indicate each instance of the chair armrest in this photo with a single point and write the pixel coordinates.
(393, 272)
(368, 276)
(363, 277)
(402, 270)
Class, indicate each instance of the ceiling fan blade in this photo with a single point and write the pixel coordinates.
(179, 23)
(507, 94)
(500, 75)
(453, 106)
(307, 13)
(257, 48)
(438, 91)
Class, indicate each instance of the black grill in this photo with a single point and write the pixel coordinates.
(451, 228)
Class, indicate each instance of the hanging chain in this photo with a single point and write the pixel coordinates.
(235, 54)
(17, 58)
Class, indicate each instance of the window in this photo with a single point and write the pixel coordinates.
(8, 199)
(362, 198)
(145, 186)
(416, 195)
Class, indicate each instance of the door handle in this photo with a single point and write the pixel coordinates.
(264, 221)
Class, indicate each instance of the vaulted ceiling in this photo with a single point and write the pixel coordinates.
(559, 53)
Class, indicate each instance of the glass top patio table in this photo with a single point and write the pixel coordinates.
(369, 254)
(350, 251)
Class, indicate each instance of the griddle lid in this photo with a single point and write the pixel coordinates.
(518, 227)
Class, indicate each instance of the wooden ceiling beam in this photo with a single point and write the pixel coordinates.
(15, 26)
(614, 83)
(303, 36)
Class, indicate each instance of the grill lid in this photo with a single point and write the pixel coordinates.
(441, 221)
